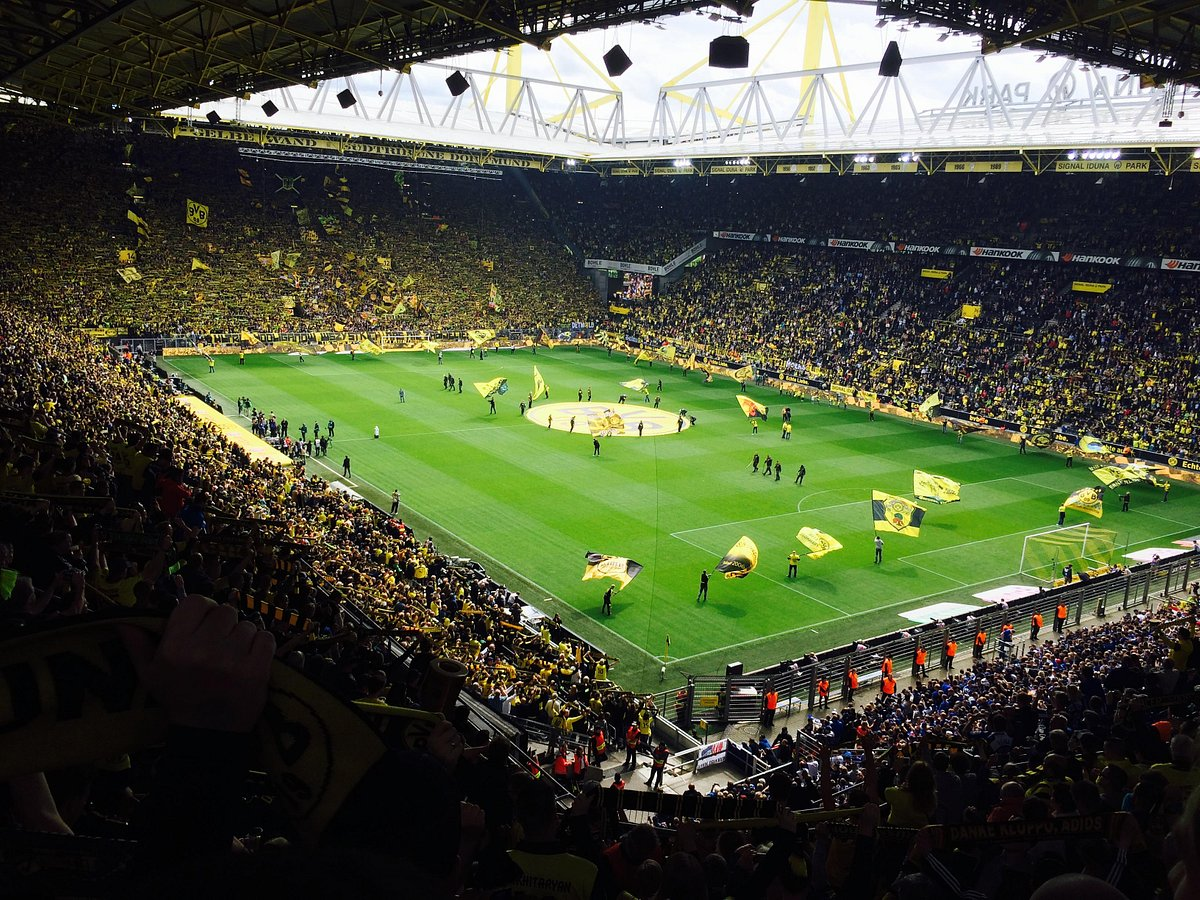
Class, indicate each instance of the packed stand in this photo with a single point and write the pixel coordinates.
(1039, 354)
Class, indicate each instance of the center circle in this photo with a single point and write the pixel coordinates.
(654, 422)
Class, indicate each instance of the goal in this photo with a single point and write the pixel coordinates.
(1084, 547)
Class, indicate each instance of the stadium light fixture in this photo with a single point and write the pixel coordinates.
(1196, 153)
(569, 163)
(1072, 154)
(682, 163)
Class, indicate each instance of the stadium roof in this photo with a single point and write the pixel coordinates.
(1157, 38)
(116, 58)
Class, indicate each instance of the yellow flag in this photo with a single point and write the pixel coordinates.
(481, 335)
(129, 274)
(605, 424)
(250, 339)
(539, 384)
(895, 514)
(644, 355)
(637, 384)
(1089, 444)
(667, 353)
(1086, 500)
(199, 266)
(930, 404)
(818, 542)
(197, 214)
(385, 262)
(741, 559)
(493, 387)
(935, 488)
(691, 363)
(745, 373)
(601, 565)
(751, 408)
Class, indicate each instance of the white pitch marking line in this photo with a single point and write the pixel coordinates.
(931, 571)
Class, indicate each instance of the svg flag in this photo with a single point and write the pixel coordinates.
(930, 404)
(1086, 500)
(741, 559)
(895, 514)
(539, 384)
(745, 373)
(818, 542)
(197, 214)
(935, 488)
(493, 387)
(620, 568)
(751, 408)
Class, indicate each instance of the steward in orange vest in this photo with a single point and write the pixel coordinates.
(919, 663)
(851, 684)
(823, 692)
(1035, 625)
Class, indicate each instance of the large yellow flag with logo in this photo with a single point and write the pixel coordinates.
(1089, 444)
(745, 373)
(197, 214)
(601, 565)
(1115, 476)
(644, 355)
(895, 514)
(668, 353)
(741, 559)
(751, 408)
(539, 384)
(606, 424)
(935, 488)
(1086, 500)
(481, 335)
(250, 339)
(818, 542)
(493, 387)
(930, 404)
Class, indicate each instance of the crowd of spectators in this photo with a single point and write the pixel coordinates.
(1039, 354)
(455, 253)
(653, 219)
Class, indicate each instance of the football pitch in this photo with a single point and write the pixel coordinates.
(528, 500)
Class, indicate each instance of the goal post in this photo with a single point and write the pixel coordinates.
(1084, 547)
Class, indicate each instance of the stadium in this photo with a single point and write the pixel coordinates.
(544, 450)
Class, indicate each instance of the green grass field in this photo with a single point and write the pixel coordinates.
(528, 501)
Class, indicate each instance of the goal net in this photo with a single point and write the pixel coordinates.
(1083, 547)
